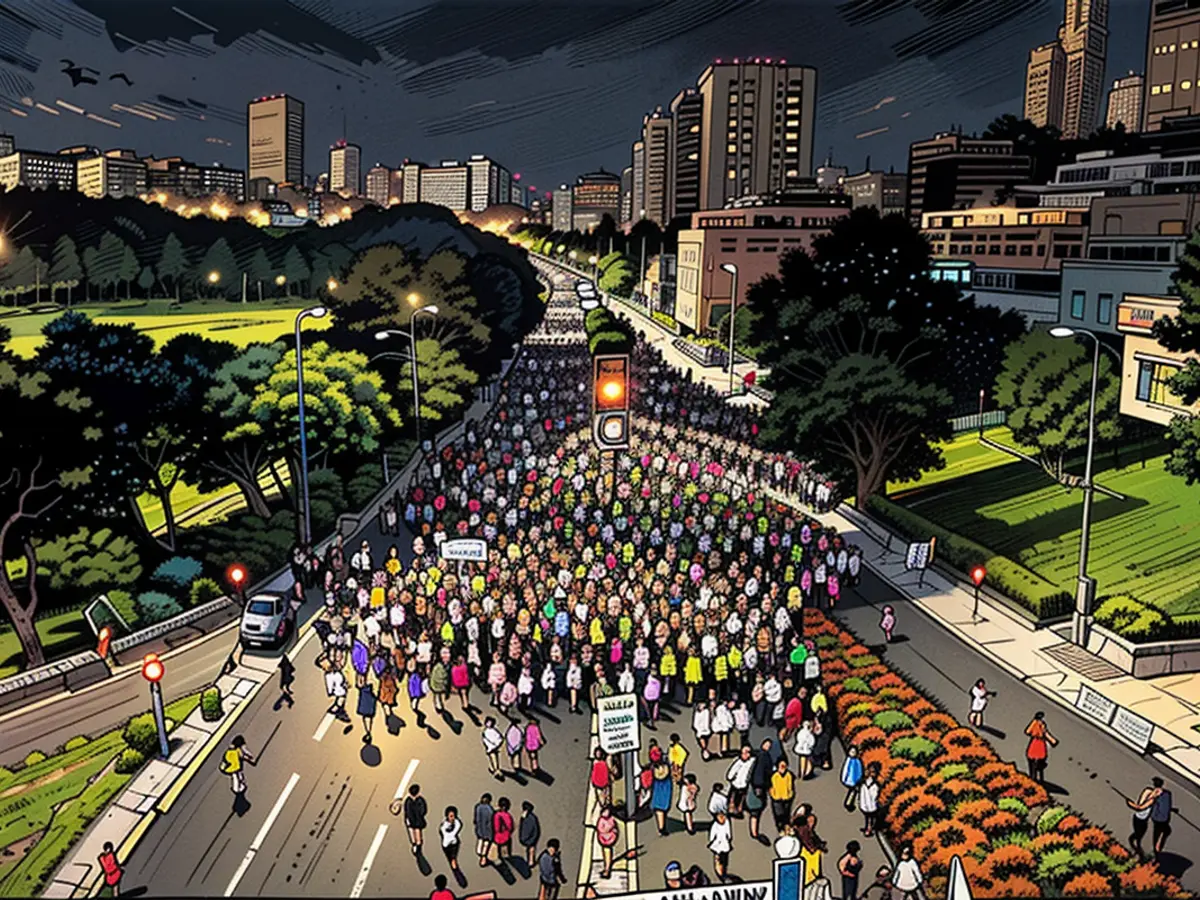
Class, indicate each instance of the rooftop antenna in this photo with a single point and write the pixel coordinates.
(867, 167)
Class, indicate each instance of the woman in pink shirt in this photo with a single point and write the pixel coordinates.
(460, 680)
(534, 742)
(606, 837)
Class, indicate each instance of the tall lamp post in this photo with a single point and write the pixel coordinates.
(1085, 592)
(153, 671)
(733, 274)
(316, 312)
(411, 334)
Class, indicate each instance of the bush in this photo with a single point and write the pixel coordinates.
(1021, 585)
(130, 761)
(123, 603)
(914, 747)
(1050, 818)
(1014, 806)
(1143, 623)
(1087, 884)
(210, 704)
(37, 756)
(89, 562)
(891, 720)
(155, 606)
(856, 685)
(176, 573)
(76, 742)
(141, 734)
(203, 590)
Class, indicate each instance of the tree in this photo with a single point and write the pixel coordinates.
(1181, 334)
(219, 260)
(172, 263)
(444, 380)
(48, 438)
(24, 272)
(91, 266)
(295, 269)
(146, 281)
(128, 270)
(618, 274)
(855, 338)
(106, 267)
(85, 561)
(1045, 385)
(260, 270)
(66, 270)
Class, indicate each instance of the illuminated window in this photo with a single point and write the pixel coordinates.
(1155, 90)
(792, 101)
(732, 174)
(791, 136)
(793, 149)
(1167, 88)
(1152, 383)
(1171, 49)
(733, 99)
(793, 173)
(731, 148)
(1185, 85)
(793, 123)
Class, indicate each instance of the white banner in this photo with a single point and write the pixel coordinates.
(464, 550)
(618, 723)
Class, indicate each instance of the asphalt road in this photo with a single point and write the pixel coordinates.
(1089, 770)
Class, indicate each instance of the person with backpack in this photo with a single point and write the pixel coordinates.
(234, 762)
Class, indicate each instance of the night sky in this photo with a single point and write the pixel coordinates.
(549, 88)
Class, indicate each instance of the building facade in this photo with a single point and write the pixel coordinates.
(561, 208)
(1125, 102)
(8, 145)
(491, 183)
(656, 139)
(180, 178)
(410, 175)
(750, 237)
(595, 195)
(687, 113)
(637, 194)
(757, 129)
(118, 173)
(447, 185)
(37, 170)
(1172, 62)
(951, 171)
(1084, 38)
(1146, 365)
(379, 185)
(884, 191)
(1045, 80)
(276, 139)
(345, 169)
(627, 195)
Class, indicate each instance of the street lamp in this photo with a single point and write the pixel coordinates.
(1081, 623)
(315, 312)
(331, 285)
(153, 671)
(414, 299)
(733, 274)
(214, 277)
(411, 334)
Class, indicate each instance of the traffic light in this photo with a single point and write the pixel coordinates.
(610, 402)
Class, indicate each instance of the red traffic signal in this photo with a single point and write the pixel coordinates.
(978, 574)
(236, 575)
(152, 668)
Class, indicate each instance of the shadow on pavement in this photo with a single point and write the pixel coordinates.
(241, 805)
(1173, 864)
(370, 755)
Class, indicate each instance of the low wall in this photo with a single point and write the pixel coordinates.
(1145, 660)
(68, 674)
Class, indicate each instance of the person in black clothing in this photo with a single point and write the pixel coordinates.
(760, 783)
(416, 813)
(550, 873)
(287, 677)
(529, 832)
(483, 828)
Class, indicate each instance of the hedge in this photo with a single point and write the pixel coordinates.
(944, 790)
(1142, 623)
(1023, 586)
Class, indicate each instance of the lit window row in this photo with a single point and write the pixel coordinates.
(1164, 49)
(1156, 89)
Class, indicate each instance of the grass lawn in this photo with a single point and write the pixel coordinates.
(62, 633)
(238, 323)
(1147, 546)
(964, 456)
(47, 806)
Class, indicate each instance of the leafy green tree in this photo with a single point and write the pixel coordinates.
(618, 274)
(296, 269)
(172, 263)
(260, 271)
(146, 281)
(444, 380)
(66, 270)
(108, 262)
(1181, 334)
(128, 270)
(855, 337)
(91, 268)
(1045, 385)
(85, 561)
(23, 273)
(219, 260)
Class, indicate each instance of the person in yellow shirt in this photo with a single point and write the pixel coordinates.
(668, 669)
(677, 756)
(782, 793)
(234, 763)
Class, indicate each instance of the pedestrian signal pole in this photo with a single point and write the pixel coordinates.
(153, 671)
(610, 402)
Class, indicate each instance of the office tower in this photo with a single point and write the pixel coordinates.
(379, 185)
(345, 165)
(448, 185)
(637, 193)
(757, 128)
(37, 170)
(8, 145)
(1125, 102)
(884, 191)
(1172, 62)
(491, 183)
(1084, 38)
(626, 194)
(276, 139)
(117, 173)
(178, 177)
(411, 173)
(950, 171)
(595, 195)
(656, 143)
(560, 208)
(687, 111)
(1045, 81)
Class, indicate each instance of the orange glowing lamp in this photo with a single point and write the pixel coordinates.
(152, 668)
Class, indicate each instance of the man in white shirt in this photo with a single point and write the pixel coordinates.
(360, 562)
(450, 830)
(720, 842)
(493, 740)
(719, 801)
(907, 878)
(738, 776)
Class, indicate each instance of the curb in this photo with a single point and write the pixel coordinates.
(588, 856)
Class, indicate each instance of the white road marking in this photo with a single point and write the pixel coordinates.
(324, 726)
(257, 843)
(365, 871)
(408, 774)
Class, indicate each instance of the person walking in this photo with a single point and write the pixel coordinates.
(492, 741)
(688, 792)
(783, 793)
(1141, 818)
(234, 763)
(113, 872)
(529, 832)
(503, 828)
(535, 740)
(484, 814)
(335, 689)
(806, 742)
(460, 680)
(702, 728)
(450, 832)
(1038, 749)
(677, 756)
(979, 701)
(907, 878)
(720, 842)
(887, 624)
(550, 873)
(868, 799)
(440, 891)
(849, 866)
(514, 743)
(852, 776)
(416, 813)
(738, 775)
(601, 778)
(287, 677)
(1160, 816)
(661, 788)
(606, 836)
(366, 706)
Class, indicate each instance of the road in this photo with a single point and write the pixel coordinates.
(1089, 769)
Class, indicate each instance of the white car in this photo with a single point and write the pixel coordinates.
(585, 290)
(267, 621)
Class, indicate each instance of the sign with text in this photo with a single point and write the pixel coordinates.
(464, 550)
(920, 554)
(1132, 729)
(747, 890)
(1095, 705)
(618, 723)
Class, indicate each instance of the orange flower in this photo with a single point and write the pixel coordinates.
(1009, 861)
(887, 680)
(1017, 886)
(1070, 824)
(1087, 884)
(921, 709)
(902, 778)
(854, 726)
(957, 790)
(1044, 843)
(871, 737)
(912, 805)
(935, 725)
(975, 812)
(960, 837)
(1000, 822)
(960, 738)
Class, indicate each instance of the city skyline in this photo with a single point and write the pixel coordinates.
(433, 91)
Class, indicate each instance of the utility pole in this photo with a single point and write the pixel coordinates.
(245, 281)
(642, 278)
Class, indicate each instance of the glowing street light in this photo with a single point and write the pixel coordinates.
(411, 334)
(414, 299)
(331, 285)
(214, 277)
(153, 671)
(281, 280)
(977, 575)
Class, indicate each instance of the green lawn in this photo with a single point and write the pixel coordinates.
(238, 323)
(964, 456)
(62, 633)
(1147, 546)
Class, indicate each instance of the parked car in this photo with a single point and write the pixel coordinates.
(267, 621)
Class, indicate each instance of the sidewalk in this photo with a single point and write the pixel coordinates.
(1171, 702)
(623, 879)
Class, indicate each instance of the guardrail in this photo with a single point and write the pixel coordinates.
(974, 422)
(166, 626)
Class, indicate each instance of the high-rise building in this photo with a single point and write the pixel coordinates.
(687, 111)
(884, 191)
(1125, 102)
(627, 194)
(1084, 38)
(656, 141)
(1045, 81)
(830, 177)
(411, 173)
(276, 139)
(757, 129)
(345, 169)
(8, 145)
(1172, 62)
(637, 193)
(561, 208)
(448, 185)
(34, 169)
(950, 171)
(117, 173)
(180, 178)
(490, 182)
(379, 185)
(595, 195)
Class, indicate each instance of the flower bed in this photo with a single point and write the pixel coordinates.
(944, 790)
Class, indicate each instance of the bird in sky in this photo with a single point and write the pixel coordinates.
(78, 73)
(122, 77)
